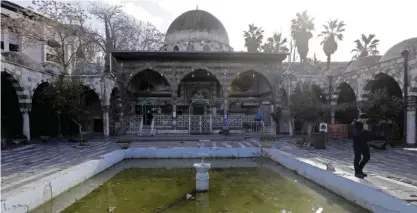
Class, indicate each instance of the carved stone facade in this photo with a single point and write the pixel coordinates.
(203, 49)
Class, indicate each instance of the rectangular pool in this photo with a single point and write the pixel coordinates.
(236, 185)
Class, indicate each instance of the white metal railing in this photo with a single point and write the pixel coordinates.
(132, 124)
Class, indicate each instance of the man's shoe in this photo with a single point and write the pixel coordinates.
(359, 175)
(364, 175)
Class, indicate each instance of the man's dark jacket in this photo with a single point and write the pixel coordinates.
(360, 136)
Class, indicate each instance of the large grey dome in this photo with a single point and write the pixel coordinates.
(196, 25)
(363, 62)
(395, 51)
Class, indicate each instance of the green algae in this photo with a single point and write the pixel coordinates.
(240, 190)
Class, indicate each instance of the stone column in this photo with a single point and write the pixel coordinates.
(26, 122)
(225, 108)
(290, 127)
(106, 129)
(411, 121)
(174, 116)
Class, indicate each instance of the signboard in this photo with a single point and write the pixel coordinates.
(145, 102)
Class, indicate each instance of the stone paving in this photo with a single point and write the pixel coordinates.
(29, 163)
(393, 171)
(395, 163)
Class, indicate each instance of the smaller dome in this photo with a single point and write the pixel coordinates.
(396, 50)
(363, 62)
(85, 68)
(22, 59)
(52, 68)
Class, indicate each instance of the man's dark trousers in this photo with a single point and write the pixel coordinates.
(360, 149)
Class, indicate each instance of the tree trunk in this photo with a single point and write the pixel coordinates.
(328, 62)
(79, 132)
(309, 130)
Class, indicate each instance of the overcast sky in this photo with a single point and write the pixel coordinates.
(391, 21)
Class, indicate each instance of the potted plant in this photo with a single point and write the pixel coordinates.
(124, 144)
(20, 139)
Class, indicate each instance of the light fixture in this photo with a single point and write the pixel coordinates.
(208, 73)
(238, 73)
(224, 73)
(130, 74)
(162, 74)
(192, 75)
(253, 75)
(267, 70)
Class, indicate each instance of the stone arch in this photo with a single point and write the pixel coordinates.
(229, 84)
(95, 105)
(206, 48)
(190, 48)
(345, 96)
(41, 82)
(147, 68)
(43, 119)
(176, 48)
(336, 93)
(11, 106)
(23, 97)
(366, 90)
(218, 77)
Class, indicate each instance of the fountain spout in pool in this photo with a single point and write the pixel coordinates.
(202, 176)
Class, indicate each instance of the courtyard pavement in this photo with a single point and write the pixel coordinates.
(388, 169)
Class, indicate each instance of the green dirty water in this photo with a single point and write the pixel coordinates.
(262, 189)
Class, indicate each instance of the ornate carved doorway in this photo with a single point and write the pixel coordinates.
(200, 123)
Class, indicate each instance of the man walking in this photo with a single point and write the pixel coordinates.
(361, 133)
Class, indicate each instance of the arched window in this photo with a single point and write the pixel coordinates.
(206, 48)
(190, 47)
(176, 48)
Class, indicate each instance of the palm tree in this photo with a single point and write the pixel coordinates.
(253, 38)
(367, 45)
(301, 30)
(275, 44)
(333, 31)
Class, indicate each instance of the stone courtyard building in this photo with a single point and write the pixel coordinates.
(196, 83)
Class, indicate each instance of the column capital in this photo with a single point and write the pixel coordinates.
(25, 107)
(106, 108)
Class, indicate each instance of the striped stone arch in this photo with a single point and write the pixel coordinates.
(25, 102)
(32, 92)
(235, 75)
(145, 68)
(366, 89)
(336, 92)
(220, 79)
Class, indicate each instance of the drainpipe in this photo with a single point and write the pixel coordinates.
(404, 54)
